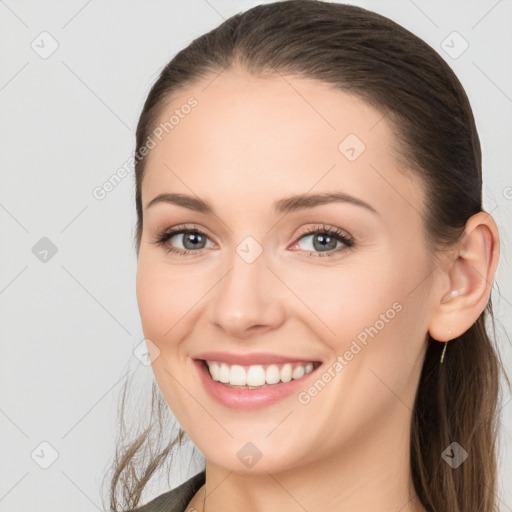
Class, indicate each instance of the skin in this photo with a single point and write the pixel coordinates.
(249, 142)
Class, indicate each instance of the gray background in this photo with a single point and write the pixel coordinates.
(69, 324)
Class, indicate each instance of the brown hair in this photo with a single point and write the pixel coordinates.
(382, 63)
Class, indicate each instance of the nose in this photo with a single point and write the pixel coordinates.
(249, 299)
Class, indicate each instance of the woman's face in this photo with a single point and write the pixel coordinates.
(356, 299)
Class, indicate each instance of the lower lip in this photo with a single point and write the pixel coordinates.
(249, 399)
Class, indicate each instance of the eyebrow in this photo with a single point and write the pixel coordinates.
(282, 206)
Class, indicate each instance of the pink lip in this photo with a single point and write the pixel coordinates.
(249, 399)
(249, 359)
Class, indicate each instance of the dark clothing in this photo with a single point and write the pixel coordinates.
(177, 499)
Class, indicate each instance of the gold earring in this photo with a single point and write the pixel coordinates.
(445, 345)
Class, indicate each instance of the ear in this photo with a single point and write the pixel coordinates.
(468, 279)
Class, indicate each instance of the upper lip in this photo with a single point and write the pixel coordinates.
(250, 359)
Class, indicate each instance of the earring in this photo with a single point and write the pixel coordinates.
(445, 345)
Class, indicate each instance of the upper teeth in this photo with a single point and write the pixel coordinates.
(257, 375)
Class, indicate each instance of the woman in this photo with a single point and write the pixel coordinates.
(314, 270)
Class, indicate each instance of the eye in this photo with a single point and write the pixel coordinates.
(192, 239)
(325, 240)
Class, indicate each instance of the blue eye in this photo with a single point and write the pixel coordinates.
(192, 237)
(323, 238)
(327, 238)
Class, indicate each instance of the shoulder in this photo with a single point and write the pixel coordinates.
(176, 499)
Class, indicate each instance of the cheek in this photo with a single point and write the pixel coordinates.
(165, 299)
(381, 327)
(376, 342)
(169, 299)
(368, 305)
(340, 302)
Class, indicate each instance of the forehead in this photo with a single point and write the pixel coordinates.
(269, 137)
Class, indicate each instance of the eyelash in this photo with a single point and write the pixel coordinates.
(162, 238)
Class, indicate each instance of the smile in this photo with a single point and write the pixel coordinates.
(257, 376)
(255, 386)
